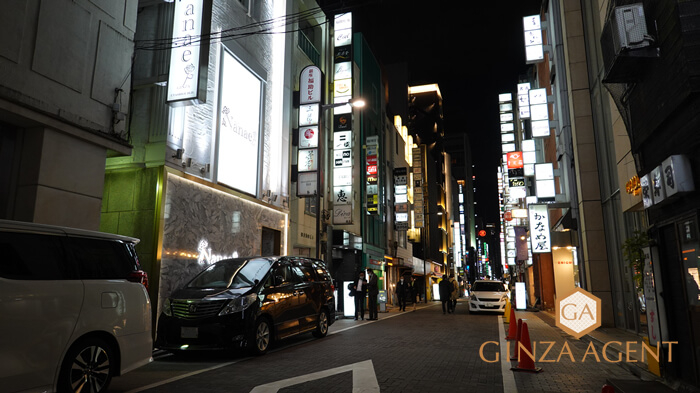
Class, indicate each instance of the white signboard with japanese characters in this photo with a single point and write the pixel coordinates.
(539, 229)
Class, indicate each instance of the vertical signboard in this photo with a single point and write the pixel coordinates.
(401, 198)
(539, 229)
(310, 89)
(418, 205)
(372, 173)
(189, 56)
(342, 121)
(534, 50)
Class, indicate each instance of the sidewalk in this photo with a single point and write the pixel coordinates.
(579, 365)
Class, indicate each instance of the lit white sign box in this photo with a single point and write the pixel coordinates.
(239, 126)
(308, 160)
(520, 296)
(539, 112)
(505, 97)
(540, 128)
(342, 140)
(342, 214)
(342, 158)
(343, 88)
(539, 229)
(308, 137)
(306, 184)
(545, 189)
(523, 88)
(343, 70)
(343, 21)
(342, 176)
(342, 195)
(309, 115)
(189, 56)
(310, 85)
(538, 96)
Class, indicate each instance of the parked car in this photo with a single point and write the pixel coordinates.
(246, 303)
(488, 295)
(74, 310)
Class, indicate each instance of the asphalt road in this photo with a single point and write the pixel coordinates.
(412, 351)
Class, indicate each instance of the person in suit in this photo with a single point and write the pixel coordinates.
(403, 291)
(445, 287)
(372, 293)
(360, 296)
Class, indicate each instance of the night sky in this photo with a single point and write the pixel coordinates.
(474, 50)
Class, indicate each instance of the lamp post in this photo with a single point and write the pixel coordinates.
(356, 103)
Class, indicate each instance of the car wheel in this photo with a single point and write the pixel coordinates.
(88, 367)
(260, 340)
(321, 325)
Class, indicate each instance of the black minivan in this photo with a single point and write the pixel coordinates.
(247, 302)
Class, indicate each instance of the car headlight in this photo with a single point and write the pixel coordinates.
(166, 308)
(239, 304)
(504, 297)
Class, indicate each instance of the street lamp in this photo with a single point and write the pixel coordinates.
(356, 103)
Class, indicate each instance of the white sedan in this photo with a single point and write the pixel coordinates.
(488, 295)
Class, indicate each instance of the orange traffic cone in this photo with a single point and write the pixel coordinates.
(512, 326)
(526, 361)
(518, 336)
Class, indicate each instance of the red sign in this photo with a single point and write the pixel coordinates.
(508, 215)
(371, 169)
(515, 160)
(482, 233)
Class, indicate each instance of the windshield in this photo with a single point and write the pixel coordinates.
(488, 287)
(237, 273)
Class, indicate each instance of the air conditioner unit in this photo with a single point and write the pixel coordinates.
(625, 42)
(630, 28)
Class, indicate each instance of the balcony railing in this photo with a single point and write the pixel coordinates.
(308, 48)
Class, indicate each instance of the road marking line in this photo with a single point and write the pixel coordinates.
(183, 376)
(509, 385)
(364, 380)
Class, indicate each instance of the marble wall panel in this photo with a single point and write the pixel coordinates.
(203, 225)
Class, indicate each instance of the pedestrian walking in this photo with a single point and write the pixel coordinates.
(445, 288)
(403, 291)
(372, 292)
(360, 296)
(455, 291)
(414, 292)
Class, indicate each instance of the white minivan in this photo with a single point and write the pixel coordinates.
(74, 308)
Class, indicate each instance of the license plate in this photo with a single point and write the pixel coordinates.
(188, 332)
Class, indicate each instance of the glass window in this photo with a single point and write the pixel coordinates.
(101, 259)
(33, 257)
(690, 256)
(234, 273)
(488, 287)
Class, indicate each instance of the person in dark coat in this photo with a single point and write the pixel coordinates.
(360, 287)
(403, 292)
(445, 287)
(372, 293)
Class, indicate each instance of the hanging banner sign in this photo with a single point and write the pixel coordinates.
(539, 229)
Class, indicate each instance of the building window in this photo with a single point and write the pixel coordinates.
(310, 206)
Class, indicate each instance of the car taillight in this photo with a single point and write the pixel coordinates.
(139, 276)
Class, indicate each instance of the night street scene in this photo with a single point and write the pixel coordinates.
(357, 196)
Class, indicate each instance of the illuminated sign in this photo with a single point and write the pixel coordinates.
(189, 56)
(515, 160)
(239, 126)
(310, 85)
(308, 137)
(539, 229)
(534, 50)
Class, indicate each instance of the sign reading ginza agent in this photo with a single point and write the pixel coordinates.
(343, 152)
(310, 88)
(189, 56)
(539, 228)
